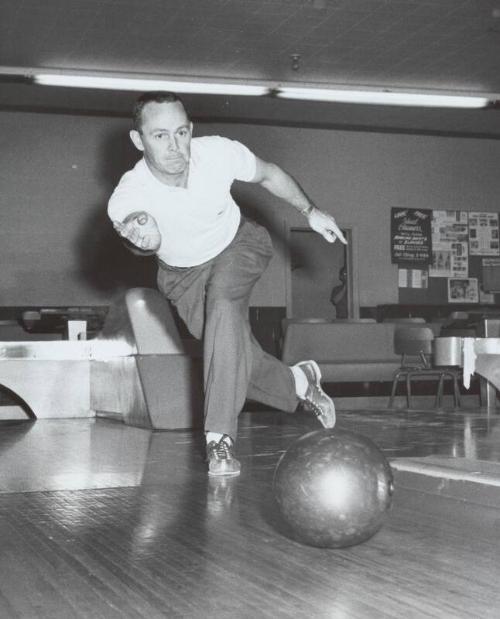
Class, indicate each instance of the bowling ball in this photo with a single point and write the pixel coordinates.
(333, 488)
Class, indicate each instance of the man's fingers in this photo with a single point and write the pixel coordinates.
(326, 225)
(339, 235)
(129, 230)
(132, 235)
(137, 217)
(123, 229)
(140, 229)
(138, 239)
(332, 228)
(123, 232)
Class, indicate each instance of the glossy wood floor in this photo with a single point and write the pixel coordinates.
(98, 520)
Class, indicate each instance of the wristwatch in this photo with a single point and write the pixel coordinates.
(307, 211)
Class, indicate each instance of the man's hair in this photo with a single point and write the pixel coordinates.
(156, 96)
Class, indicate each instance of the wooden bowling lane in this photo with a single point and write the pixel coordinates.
(141, 531)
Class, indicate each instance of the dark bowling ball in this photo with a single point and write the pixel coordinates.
(333, 488)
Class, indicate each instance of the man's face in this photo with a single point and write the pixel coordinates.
(165, 138)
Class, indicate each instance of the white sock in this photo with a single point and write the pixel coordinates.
(216, 436)
(301, 382)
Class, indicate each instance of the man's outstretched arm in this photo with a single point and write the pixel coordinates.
(281, 184)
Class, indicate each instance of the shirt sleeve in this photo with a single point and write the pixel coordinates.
(243, 161)
(124, 200)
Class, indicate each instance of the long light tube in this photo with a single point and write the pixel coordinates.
(143, 84)
(382, 98)
(370, 97)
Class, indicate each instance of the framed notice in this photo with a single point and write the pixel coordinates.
(483, 234)
(450, 244)
(490, 275)
(412, 278)
(411, 237)
(463, 290)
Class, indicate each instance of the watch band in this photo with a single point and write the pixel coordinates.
(307, 211)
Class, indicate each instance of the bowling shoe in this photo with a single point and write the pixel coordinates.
(221, 460)
(315, 399)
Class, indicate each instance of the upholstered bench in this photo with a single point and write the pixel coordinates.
(345, 351)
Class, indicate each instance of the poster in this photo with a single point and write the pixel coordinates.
(450, 244)
(490, 275)
(483, 234)
(411, 237)
(463, 290)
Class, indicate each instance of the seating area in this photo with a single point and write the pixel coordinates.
(345, 351)
(368, 351)
(415, 345)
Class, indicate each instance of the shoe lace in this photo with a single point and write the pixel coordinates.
(222, 449)
(311, 405)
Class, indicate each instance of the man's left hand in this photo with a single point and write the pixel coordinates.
(325, 225)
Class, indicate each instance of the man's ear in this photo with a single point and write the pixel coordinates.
(135, 136)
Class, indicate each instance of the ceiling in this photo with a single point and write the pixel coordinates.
(442, 45)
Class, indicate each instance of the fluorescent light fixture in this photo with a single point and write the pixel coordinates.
(145, 84)
(382, 98)
(371, 97)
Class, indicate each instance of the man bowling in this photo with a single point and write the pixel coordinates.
(176, 203)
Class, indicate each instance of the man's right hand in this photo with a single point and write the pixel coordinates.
(140, 229)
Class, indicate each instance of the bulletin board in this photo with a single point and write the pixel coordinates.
(463, 265)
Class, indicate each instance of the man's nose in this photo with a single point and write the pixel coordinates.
(173, 143)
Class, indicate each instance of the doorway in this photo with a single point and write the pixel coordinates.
(321, 277)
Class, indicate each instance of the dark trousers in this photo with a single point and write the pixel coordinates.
(212, 299)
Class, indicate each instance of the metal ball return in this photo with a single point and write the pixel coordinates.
(476, 355)
(137, 369)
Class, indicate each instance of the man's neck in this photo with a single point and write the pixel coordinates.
(172, 180)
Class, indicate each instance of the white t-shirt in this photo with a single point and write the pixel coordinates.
(197, 222)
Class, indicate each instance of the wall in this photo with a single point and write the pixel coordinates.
(57, 247)
(360, 176)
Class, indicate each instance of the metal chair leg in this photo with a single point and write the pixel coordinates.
(393, 391)
(408, 389)
(439, 394)
(395, 382)
(456, 391)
